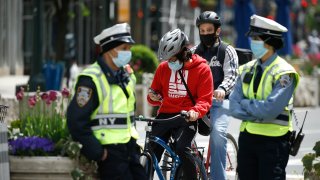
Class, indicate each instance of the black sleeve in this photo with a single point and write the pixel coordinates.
(78, 118)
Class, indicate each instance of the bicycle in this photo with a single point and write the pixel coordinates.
(150, 162)
(232, 151)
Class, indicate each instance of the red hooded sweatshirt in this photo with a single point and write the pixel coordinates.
(175, 98)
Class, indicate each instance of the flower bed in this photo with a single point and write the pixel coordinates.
(41, 132)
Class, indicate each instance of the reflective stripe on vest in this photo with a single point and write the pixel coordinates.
(282, 123)
(113, 104)
(111, 121)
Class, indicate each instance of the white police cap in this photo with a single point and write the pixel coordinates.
(262, 26)
(118, 33)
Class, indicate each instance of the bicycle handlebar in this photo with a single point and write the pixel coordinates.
(183, 114)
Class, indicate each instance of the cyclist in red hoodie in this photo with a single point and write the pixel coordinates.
(168, 91)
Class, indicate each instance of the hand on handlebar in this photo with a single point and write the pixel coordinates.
(190, 115)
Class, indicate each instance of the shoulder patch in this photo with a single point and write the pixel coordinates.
(285, 80)
(83, 95)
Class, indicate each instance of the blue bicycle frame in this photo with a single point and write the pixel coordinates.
(148, 152)
(175, 158)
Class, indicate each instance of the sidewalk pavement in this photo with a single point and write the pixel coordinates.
(8, 85)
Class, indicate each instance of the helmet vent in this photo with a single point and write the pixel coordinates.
(170, 49)
(164, 48)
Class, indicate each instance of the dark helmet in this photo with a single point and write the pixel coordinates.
(172, 43)
(208, 17)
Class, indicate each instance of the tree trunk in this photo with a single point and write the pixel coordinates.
(62, 7)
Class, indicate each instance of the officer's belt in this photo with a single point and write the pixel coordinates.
(110, 121)
(281, 119)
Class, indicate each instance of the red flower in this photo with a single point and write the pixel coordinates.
(20, 94)
(32, 101)
(65, 93)
(304, 3)
(48, 101)
(44, 96)
(136, 67)
(139, 62)
(52, 95)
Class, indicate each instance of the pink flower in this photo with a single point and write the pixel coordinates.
(135, 67)
(139, 62)
(44, 96)
(52, 95)
(20, 94)
(65, 93)
(32, 101)
(48, 101)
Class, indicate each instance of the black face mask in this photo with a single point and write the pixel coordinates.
(208, 39)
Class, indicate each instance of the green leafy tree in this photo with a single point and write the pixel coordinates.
(143, 60)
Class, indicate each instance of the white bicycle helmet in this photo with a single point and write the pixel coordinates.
(171, 44)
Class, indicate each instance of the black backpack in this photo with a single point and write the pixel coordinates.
(244, 55)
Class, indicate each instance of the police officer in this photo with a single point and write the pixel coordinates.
(262, 99)
(100, 115)
(223, 61)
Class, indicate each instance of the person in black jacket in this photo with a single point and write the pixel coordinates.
(223, 61)
(101, 113)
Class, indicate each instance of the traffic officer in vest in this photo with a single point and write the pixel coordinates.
(101, 113)
(262, 99)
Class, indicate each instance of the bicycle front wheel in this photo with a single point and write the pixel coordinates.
(232, 153)
(198, 165)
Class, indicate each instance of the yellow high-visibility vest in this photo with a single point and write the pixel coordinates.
(112, 121)
(283, 123)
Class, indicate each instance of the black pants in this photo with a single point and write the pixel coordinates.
(262, 157)
(122, 163)
(183, 133)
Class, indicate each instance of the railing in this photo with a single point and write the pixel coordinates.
(4, 156)
(143, 107)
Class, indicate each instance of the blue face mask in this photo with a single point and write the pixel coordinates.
(175, 66)
(258, 48)
(123, 58)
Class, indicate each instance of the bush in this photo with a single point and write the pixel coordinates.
(311, 163)
(143, 60)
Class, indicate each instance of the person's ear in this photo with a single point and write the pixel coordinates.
(267, 46)
(218, 31)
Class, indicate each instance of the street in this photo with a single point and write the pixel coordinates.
(295, 167)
